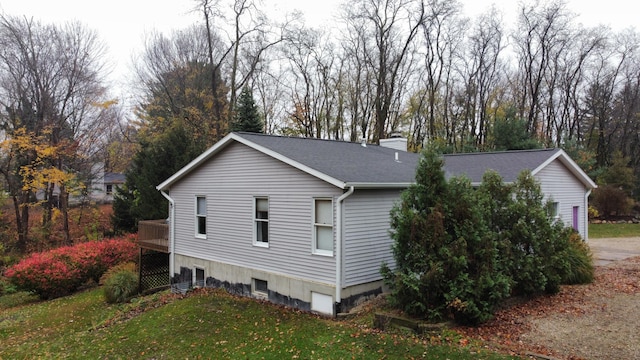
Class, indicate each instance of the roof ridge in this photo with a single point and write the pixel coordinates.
(502, 152)
(305, 138)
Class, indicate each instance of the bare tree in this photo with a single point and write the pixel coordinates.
(174, 80)
(541, 35)
(51, 81)
(388, 29)
(482, 73)
(606, 80)
(249, 34)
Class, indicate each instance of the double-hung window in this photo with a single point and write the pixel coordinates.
(323, 226)
(261, 221)
(201, 217)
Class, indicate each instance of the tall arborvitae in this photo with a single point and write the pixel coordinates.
(445, 259)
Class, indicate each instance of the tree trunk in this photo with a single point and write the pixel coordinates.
(22, 220)
(64, 207)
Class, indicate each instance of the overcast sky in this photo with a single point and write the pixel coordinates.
(123, 23)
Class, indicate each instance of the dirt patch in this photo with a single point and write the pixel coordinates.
(596, 321)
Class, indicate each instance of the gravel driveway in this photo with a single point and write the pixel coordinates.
(606, 324)
(607, 250)
(596, 321)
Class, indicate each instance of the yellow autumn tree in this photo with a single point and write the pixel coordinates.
(37, 173)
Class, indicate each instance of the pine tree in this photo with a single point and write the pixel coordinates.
(155, 162)
(247, 117)
(446, 260)
(510, 133)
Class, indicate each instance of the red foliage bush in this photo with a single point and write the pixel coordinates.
(61, 271)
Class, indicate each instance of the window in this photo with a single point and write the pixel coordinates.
(260, 287)
(261, 220)
(554, 210)
(199, 277)
(201, 216)
(323, 227)
(109, 189)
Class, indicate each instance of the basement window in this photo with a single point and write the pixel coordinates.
(260, 288)
(199, 277)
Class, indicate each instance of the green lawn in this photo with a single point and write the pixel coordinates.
(597, 231)
(209, 325)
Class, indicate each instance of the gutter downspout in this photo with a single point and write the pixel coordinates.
(172, 243)
(339, 245)
(586, 216)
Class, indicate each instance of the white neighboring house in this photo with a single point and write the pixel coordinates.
(104, 188)
(100, 190)
(305, 222)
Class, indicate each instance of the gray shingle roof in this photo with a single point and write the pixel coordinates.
(345, 163)
(508, 164)
(114, 178)
(348, 162)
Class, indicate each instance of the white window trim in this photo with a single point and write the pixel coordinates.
(314, 249)
(255, 220)
(196, 216)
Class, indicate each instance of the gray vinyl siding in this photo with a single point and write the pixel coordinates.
(367, 243)
(561, 186)
(230, 181)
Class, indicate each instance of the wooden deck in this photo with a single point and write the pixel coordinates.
(153, 235)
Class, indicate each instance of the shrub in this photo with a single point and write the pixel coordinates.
(447, 261)
(127, 266)
(6, 287)
(61, 271)
(460, 252)
(579, 260)
(611, 201)
(120, 284)
(535, 241)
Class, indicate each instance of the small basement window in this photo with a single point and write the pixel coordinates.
(260, 287)
(199, 280)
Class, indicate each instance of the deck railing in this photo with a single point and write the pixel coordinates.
(154, 235)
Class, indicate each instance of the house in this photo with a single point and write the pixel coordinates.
(304, 222)
(99, 189)
(110, 182)
(104, 184)
(561, 180)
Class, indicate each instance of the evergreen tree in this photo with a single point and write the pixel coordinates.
(156, 161)
(445, 258)
(247, 117)
(460, 252)
(510, 133)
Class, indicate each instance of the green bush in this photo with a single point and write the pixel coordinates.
(579, 260)
(127, 266)
(460, 252)
(535, 241)
(6, 287)
(120, 284)
(447, 259)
